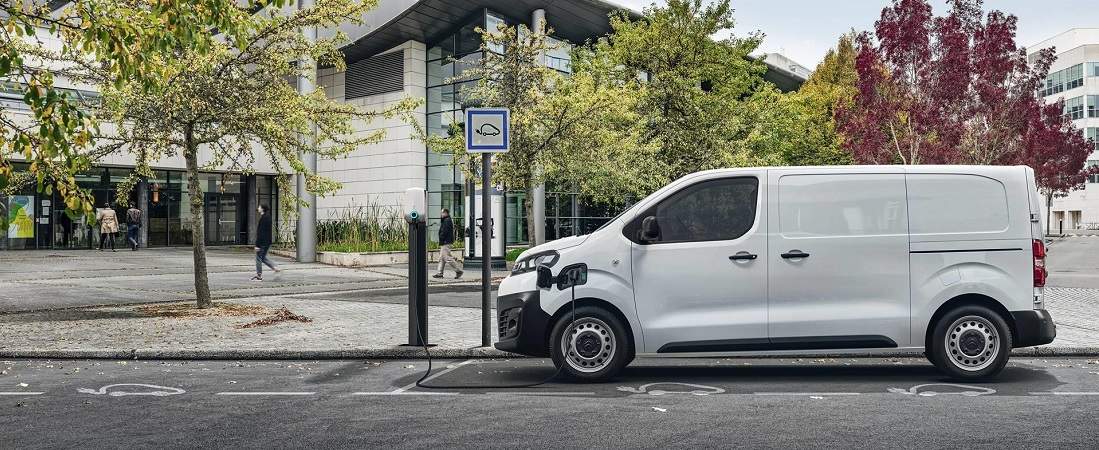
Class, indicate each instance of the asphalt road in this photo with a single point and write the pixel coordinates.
(656, 403)
(1074, 262)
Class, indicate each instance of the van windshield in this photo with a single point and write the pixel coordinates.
(624, 211)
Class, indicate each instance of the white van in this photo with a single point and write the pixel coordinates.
(944, 259)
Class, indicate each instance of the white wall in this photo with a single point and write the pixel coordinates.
(378, 173)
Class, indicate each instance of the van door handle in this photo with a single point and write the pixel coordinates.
(794, 254)
(740, 256)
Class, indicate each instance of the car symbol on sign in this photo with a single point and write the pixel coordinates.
(488, 129)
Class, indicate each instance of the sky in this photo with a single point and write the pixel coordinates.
(804, 30)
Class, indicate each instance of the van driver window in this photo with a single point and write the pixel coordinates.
(714, 210)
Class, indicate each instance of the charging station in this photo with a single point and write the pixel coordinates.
(474, 228)
(415, 208)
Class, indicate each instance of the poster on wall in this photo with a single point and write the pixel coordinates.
(21, 217)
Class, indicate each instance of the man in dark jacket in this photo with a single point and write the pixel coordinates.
(133, 227)
(446, 239)
(263, 242)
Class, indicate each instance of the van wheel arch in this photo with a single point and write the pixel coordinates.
(566, 309)
(969, 299)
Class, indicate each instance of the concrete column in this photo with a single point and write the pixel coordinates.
(307, 213)
(249, 204)
(538, 196)
(143, 205)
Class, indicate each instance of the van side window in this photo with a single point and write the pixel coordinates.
(848, 205)
(956, 203)
(715, 210)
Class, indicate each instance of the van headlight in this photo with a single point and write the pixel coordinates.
(547, 258)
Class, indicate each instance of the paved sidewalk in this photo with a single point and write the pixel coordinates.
(345, 327)
(41, 280)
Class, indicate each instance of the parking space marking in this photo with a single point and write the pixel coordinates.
(538, 393)
(403, 393)
(267, 393)
(437, 375)
(1064, 393)
(807, 393)
(15, 394)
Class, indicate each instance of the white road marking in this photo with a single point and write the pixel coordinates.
(923, 390)
(672, 388)
(265, 393)
(403, 393)
(150, 390)
(438, 374)
(535, 393)
(21, 393)
(1064, 393)
(807, 393)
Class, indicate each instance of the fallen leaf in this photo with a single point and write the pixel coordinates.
(410, 366)
(23, 385)
(816, 397)
(659, 409)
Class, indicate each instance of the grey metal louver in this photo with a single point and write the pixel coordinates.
(378, 75)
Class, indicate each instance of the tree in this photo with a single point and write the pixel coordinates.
(832, 86)
(556, 120)
(1056, 151)
(956, 89)
(126, 38)
(693, 104)
(233, 102)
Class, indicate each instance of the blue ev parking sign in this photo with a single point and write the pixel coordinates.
(487, 130)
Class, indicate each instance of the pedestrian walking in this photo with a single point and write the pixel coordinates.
(133, 227)
(446, 240)
(108, 225)
(263, 242)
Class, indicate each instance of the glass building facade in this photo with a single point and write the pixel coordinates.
(35, 220)
(567, 213)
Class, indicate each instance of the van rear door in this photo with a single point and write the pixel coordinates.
(838, 258)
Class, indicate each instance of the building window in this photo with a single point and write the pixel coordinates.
(1093, 106)
(1092, 69)
(1074, 76)
(1093, 134)
(1092, 164)
(1074, 108)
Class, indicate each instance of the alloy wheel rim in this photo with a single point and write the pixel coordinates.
(972, 343)
(589, 345)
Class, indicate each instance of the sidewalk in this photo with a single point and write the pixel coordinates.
(351, 328)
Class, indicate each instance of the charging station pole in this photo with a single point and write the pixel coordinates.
(417, 266)
(417, 283)
(487, 132)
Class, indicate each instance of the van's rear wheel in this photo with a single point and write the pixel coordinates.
(970, 342)
(593, 347)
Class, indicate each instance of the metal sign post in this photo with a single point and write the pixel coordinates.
(487, 132)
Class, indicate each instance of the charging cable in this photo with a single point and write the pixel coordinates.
(573, 276)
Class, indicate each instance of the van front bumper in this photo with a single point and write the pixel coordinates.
(1033, 327)
(522, 325)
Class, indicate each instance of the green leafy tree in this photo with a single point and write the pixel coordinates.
(554, 117)
(800, 126)
(127, 38)
(223, 107)
(693, 104)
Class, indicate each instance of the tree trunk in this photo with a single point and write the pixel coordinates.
(198, 234)
(528, 206)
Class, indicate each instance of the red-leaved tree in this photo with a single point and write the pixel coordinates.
(956, 89)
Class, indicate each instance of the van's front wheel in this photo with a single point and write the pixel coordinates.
(593, 347)
(970, 342)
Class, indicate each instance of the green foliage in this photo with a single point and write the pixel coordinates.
(364, 228)
(125, 40)
(513, 254)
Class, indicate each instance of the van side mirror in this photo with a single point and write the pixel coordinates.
(545, 277)
(650, 229)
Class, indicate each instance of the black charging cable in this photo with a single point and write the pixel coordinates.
(420, 383)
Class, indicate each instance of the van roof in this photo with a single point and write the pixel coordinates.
(896, 168)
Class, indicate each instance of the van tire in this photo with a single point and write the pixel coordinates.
(599, 346)
(970, 342)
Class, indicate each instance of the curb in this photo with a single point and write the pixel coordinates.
(402, 352)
